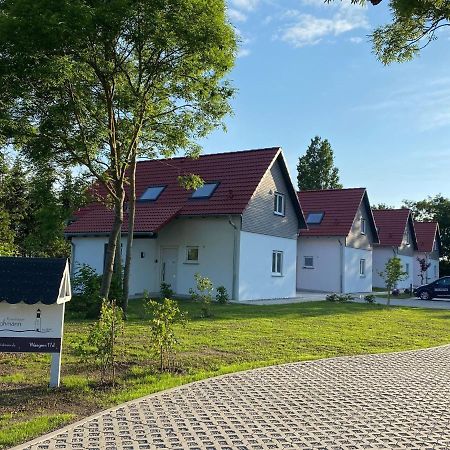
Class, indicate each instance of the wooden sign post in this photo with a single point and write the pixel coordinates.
(33, 293)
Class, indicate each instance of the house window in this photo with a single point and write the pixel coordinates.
(314, 218)
(435, 271)
(152, 193)
(407, 268)
(363, 226)
(362, 267)
(205, 191)
(192, 255)
(407, 238)
(308, 262)
(278, 204)
(435, 246)
(277, 263)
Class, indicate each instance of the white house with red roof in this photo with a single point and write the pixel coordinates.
(335, 253)
(397, 238)
(240, 229)
(428, 249)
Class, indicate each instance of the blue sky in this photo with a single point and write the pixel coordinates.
(306, 69)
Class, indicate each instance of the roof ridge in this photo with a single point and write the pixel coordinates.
(331, 190)
(206, 155)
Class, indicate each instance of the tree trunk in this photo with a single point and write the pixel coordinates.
(112, 243)
(131, 217)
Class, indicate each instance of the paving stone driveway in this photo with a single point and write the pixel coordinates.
(391, 401)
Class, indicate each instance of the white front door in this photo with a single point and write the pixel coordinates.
(169, 263)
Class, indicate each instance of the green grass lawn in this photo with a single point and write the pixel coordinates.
(398, 297)
(237, 337)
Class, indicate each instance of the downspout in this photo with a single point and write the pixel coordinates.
(235, 235)
(341, 278)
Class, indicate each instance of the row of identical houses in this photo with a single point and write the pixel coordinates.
(249, 230)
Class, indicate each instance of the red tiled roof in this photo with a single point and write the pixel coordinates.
(339, 207)
(426, 233)
(238, 175)
(391, 224)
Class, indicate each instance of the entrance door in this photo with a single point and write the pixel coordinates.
(169, 263)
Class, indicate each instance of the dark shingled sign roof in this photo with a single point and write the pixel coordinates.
(31, 280)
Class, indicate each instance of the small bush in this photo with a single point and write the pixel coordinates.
(395, 292)
(339, 298)
(407, 291)
(370, 298)
(222, 295)
(332, 298)
(86, 286)
(164, 315)
(165, 290)
(203, 294)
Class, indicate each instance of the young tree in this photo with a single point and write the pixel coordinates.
(415, 24)
(98, 83)
(424, 266)
(316, 168)
(393, 273)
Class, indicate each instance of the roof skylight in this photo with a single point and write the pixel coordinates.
(315, 218)
(205, 191)
(152, 193)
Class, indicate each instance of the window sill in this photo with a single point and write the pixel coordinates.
(306, 267)
(278, 275)
(362, 276)
(191, 262)
(279, 214)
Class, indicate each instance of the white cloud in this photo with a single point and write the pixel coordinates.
(243, 52)
(236, 16)
(356, 40)
(304, 29)
(246, 5)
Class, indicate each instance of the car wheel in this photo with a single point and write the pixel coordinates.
(424, 295)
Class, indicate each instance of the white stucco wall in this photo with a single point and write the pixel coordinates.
(432, 273)
(326, 274)
(353, 281)
(255, 267)
(381, 255)
(88, 250)
(214, 237)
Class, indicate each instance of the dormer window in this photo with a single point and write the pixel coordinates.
(152, 193)
(363, 226)
(278, 204)
(205, 191)
(407, 240)
(315, 218)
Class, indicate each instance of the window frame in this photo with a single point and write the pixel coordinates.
(276, 262)
(305, 266)
(315, 213)
(407, 268)
(162, 187)
(363, 226)
(407, 239)
(192, 261)
(279, 195)
(362, 267)
(203, 197)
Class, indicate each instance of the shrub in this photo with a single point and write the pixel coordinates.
(339, 298)
(222, 295)
(370, 298)
(165, 290)
(164, 315)
(395, 292)
(203, 294)
(86, 286)
(100, 344)
(332, 298)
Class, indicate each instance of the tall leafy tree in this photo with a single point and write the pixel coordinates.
(415, 24)
(315, 169)
(96, 82)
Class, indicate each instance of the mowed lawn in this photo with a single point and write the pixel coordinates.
(237, 337)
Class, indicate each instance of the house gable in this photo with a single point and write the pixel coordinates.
(259, 216)
(356, 238)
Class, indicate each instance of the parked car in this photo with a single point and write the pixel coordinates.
(439, 288)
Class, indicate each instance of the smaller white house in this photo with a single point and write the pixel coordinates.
(239, 229)
(397, 238)
(335, 253)
(428, 250)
